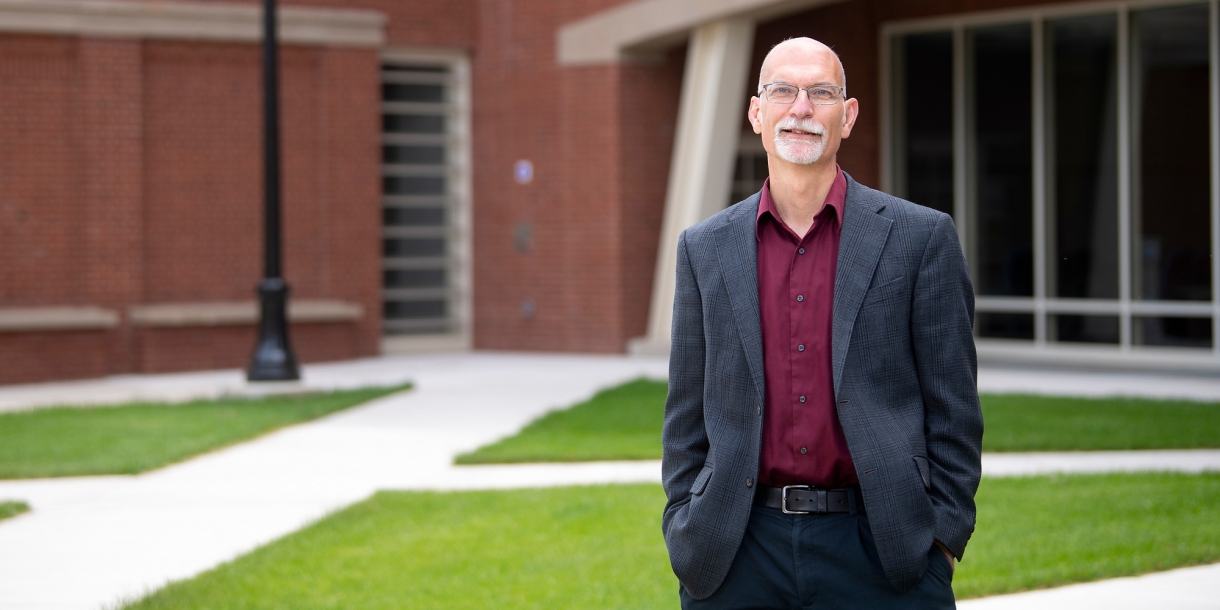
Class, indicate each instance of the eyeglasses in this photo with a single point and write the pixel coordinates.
(783, 93)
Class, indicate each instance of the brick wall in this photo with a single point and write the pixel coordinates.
(600, 139)
(131, 173)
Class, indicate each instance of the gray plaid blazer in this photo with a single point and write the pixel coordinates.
(904, 378)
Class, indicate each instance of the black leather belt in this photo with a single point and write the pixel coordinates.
(803, 499)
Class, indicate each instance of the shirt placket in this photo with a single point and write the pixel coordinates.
(799, 320)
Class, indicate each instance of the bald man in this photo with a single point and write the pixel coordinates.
(822, 431)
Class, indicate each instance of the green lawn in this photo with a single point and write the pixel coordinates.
(621, 423)
(1016, 422)
(1037, 532)
(12, 509)
(127, 439)
(624, 423)
(601, 547)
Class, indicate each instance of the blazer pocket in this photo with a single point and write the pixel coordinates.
(921, 464)
(700, 483)
(882, 292)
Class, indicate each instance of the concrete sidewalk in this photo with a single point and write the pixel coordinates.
(92, 541)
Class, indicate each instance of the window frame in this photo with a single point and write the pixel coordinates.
(1043, 307)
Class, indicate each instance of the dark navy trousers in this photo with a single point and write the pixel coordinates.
(822, 562)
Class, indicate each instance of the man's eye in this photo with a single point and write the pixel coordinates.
(782, 90)
(822, 93)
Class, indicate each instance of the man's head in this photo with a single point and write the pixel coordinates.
(807, 130)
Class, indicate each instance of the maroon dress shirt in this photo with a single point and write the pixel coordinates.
(803, 442)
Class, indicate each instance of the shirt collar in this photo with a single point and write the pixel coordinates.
(835, 199)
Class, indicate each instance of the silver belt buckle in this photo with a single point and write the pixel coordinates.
(783, 502)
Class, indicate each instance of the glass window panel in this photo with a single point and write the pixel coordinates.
(414, 278)
(420, 155)
(1171, 204)
(1004, 325)
(923, 115)
(415, 309)
(1002, 165)
(749, 172)
(1083, 150)
(413, 93)
(413, 123)
(414, 185)
(414, 217)
(415, 247)
(1085, 329)
(1176, 332)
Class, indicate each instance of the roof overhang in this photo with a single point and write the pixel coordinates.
(642, 29)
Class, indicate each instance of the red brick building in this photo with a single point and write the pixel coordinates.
(511, 175)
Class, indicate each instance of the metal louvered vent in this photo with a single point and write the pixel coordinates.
(422, 177)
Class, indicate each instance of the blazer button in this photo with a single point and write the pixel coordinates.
(749, 481)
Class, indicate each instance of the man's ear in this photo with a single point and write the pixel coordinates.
(851, 109)
(752, 114)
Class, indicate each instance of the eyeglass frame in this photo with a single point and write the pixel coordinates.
(840, 95)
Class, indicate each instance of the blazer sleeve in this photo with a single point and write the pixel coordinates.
(942, 323)
(683, 436)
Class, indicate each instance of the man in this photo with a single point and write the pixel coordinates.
(822, 432)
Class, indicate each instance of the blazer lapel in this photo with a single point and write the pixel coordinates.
(737, 251)
(861, 240)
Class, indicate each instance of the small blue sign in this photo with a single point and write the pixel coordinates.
(523, 172)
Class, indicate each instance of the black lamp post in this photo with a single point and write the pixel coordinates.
(273, 359)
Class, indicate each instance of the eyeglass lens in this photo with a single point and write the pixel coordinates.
(786, 94)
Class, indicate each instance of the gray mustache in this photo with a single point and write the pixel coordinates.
(808, 125)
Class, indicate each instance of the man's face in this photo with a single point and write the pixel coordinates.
(802, 132)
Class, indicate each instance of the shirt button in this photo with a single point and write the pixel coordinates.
(804, 451)
(749, 481)
(802, 399)
(800, 297)
(800, 250)
(800, 348)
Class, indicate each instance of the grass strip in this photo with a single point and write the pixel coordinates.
(621, 423)
(1019, 422)
(624, 423)
(601, 547)
(582, 547)
(134, 438)
(12, 509)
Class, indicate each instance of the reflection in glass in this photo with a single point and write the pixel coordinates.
(923, 115)
(1176, 332)
(1003, 169)
(1171, 199)
(1085, 329)
(1083, 146)
(1004, 325)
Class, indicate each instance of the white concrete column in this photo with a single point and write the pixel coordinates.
(705, 146)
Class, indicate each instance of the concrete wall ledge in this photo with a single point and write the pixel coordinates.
(190, 21)
(32, 319)
(302, 311)
(1005, 353)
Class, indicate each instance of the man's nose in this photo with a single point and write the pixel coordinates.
(802, 106)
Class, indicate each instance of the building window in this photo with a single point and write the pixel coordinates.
(1075, 147)
(425, 187)
(750, 169)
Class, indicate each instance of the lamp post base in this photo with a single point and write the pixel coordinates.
(273, 359)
